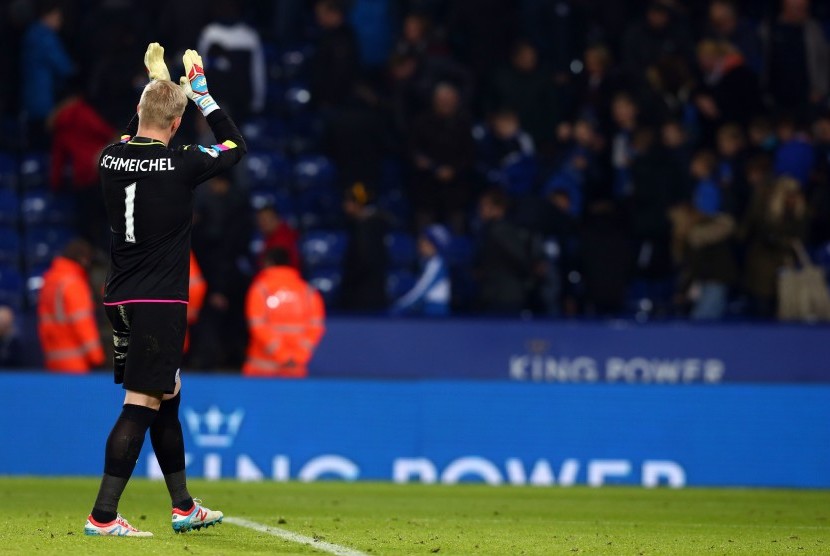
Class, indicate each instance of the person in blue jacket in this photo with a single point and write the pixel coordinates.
(45, 66)
(430, 296)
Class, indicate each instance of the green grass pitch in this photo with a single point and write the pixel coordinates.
(46, 516)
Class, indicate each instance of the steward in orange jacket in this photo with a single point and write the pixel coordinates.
(196, 298)
(285, 320)
(65, 314)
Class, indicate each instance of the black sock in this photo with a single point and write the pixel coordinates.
(168, 443)
(123, 448)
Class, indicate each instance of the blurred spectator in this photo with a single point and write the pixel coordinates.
(363, 287)
(356, 139)
(625, 114)
(794, 156)
(730, 91)
(605, 258)
(524, 87)
(762, 139)
(419, 39)
(115, 74)
(502, 142)
(577, 164)
(336, 61)
(706, 238)
(233, 55)
(660, 33)
(10, 353)
(45, 64)
(655, 189)
(442, 153)
(66, 319)
(730, 175)
(598, 84)
(726, 24)
(819, 194)
(797, 57)
(78, 136)
(431, 294)
(277, 234)
(503, 265)
(221, 232)
(285, 320)
(196, 292)
(776, 218)
(676, 143)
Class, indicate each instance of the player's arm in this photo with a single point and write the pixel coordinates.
(230, 146)
(156, 69)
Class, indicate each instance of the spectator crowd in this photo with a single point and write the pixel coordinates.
(647, 158)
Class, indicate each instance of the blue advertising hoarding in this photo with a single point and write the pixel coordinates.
(574, 352)
(440, 431)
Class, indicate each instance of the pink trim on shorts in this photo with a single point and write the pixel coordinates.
(146, 301)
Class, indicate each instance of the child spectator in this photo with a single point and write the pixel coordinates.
(10, 353)
(430, 296)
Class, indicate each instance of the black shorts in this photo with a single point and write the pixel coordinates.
(148, 340)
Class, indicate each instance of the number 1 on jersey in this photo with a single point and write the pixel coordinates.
(129, 212)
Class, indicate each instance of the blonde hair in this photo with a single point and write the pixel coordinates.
(161, 102)
(786, 188)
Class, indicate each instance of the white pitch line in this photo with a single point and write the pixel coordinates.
(331, 548)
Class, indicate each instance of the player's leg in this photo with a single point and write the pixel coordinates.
(168, 444)
(166, 431)
(126, 438)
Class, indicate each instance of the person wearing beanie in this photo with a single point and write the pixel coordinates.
(430, 296)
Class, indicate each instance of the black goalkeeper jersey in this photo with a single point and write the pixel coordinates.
(148, 193)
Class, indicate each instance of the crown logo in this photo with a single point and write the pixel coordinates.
(213, 429)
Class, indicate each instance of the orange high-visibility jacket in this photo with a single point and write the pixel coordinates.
(196, 297)
(285, 319)
(66, 319)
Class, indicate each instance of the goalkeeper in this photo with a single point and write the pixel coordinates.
(148, 193)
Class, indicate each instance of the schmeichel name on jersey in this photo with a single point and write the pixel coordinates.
(136, 165)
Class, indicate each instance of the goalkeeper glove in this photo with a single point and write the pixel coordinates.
(193, 83)
(154, 62)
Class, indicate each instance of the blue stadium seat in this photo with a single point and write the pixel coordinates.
(34, 170)
(314, 172)
(9, 246)
(34, 283)
(297, 97)
(320, 208)
(8, 171)
(399, 282)
(294, 61)
(11, 287)
(42, 243)
(9, 207)
(327, 282)
(323, 248)
(40, 207)
(267, 170)
(266, 134)
(402, 249)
